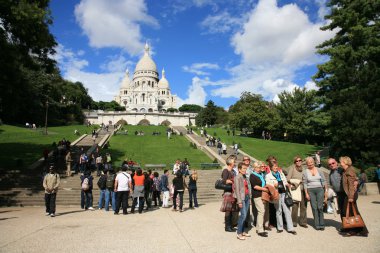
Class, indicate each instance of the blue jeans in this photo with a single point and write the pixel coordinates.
(317, 196)
(193, 195)
(243, 214)
(86, 199)
(110, 195)
(101, 198)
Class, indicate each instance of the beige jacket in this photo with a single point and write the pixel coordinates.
(51, 183)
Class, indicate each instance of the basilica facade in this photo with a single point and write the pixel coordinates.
(145, 92)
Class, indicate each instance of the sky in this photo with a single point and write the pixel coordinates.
(210, 50)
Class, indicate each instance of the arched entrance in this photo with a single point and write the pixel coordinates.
(144, 122)
(122, 122)
(166, 123)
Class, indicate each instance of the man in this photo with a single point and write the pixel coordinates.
(335, 178)
(86, 192)
(165, 188)
(99, 164)
(123, 186)
(51, 184)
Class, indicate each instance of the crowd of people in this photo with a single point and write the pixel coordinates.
(279, 197)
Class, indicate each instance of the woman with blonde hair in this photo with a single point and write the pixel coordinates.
(349, 182)
(192, 187)
(316, 191)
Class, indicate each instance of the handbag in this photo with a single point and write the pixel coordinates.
(288, 199)
(296, 193)
(223, 186)
(355, 221)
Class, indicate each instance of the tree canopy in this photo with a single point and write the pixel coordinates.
(190, 108)
(350, 81)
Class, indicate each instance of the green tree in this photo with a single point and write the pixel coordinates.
(350, 81)
(254, 113)
(208, 115)
(301, 117)
(190, 108)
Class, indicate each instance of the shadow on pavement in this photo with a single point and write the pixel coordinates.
(1, 219)
(76, 211)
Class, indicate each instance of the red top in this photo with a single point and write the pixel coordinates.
(246, 187)
(139, 180)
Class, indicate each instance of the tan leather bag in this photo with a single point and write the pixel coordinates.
(355, 221)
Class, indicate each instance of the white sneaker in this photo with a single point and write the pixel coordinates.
(52, 215)
(91, 208)
(47, 214)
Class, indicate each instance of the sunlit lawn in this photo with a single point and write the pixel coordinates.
(27, 145)
(150, 149)
(261, 149)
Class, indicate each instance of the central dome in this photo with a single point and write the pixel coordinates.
(146, 63)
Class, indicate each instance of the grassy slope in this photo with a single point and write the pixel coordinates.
(261, 149)
(149, 149)
(27, 144)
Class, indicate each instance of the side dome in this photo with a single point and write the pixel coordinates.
(146, 63)
(163, 83)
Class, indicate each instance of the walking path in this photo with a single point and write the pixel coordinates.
(197, 230)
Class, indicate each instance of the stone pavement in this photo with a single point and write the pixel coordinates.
(162, 230)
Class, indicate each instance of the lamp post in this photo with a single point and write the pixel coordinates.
(46, 116)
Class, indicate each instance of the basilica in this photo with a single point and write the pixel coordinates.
(145, 92)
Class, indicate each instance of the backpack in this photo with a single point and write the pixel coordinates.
(110, 181)
(184, 169)
(102, 182)
(85, 184)
(156, 184)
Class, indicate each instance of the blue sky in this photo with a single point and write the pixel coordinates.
(209, 49)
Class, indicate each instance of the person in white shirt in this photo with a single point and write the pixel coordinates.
(176, 166)
(123, 187)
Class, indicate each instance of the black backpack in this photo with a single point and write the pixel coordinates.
(110, 181)
(102, 182)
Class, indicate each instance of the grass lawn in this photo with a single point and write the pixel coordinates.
(19, 143)
(150, 149)
(261, 149)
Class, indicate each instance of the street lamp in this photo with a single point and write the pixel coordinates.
(46, 116)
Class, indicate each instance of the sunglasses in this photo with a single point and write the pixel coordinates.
(332, 163)
(298, 160)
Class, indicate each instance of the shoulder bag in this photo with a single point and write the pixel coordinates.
(222, 186)
(288, 198)
(355, 221)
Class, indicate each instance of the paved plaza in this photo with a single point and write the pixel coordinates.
(26, 229)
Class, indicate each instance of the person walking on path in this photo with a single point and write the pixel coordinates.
(179, 188)
(86, 192)
(193, 189)
(102, 184)
(51, 183)
(165, 188)
(122, 188)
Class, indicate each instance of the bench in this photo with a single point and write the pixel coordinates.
(155, 166)
(209, 165)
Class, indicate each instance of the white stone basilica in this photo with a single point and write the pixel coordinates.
(146, 99)
(146, 92)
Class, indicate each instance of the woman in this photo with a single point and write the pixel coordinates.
(138, 192)
(257, 187)
(156, 189)
(316, 191)
(295, 179)
(241, 192)
(228, 199)
(179, 188)
(193, 189)
(277, 179)
(349, 187)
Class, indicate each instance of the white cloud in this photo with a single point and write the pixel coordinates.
(196, 93)
(114, 23)
(101, 86)
(198, 68)
(220, 23)
(310, 85)
(274, 44)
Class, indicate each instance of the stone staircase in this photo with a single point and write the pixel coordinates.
(70, 188)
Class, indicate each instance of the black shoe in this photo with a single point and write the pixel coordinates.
(268, 228)
(295, 225)
(321, 229)
(303, 225)
(229, 229)
(116, 213)
(293, 232)
(363, 234)
(280, 231)
(263, 234)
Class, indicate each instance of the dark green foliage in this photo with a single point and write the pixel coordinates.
(211, 115)
(107, 106)
(350, 81)
(190, 108)
(171, 109)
